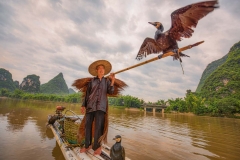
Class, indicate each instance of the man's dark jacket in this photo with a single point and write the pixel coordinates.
(96, 94)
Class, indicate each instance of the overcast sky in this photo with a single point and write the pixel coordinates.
(46, 37)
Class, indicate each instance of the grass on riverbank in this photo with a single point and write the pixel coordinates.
(19, 94)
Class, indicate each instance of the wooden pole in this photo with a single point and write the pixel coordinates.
(160, 57)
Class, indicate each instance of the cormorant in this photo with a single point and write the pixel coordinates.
(117, 151)
(183, 20)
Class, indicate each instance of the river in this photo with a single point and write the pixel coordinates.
(24, 136)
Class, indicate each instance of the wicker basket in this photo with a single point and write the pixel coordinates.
(71, 128)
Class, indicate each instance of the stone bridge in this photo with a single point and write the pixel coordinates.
(154, 107)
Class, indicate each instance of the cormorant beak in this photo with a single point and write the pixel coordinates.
(117, 139)
(152, 23)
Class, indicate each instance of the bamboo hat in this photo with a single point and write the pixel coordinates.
(92, 68)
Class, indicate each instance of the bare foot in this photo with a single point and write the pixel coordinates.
(98, 151)
(83, 150)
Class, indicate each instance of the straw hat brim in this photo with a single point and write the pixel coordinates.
(92, 68)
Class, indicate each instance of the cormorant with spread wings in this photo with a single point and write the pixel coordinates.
(183, 20)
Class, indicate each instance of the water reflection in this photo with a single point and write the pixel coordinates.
(17, 118)
(55, 153)
(49, 133)
(145, 136)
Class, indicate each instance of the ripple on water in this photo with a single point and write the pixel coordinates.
(177, 137)
(24, 135)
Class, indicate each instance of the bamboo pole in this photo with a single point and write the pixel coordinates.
(160, 57)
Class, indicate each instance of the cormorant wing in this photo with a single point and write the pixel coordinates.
(187, 17)
(148, 46)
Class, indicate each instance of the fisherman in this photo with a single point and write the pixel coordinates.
(95, 103)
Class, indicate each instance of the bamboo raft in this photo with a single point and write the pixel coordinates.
(72, 151)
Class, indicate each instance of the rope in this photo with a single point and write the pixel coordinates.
(180, 61)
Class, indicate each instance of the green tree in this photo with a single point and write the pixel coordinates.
(161, 102)
(178, 104)
(18, 93)
(4, 92)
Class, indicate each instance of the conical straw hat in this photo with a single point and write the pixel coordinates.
(92, 68)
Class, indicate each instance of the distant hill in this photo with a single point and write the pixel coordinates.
(57, 85)
(224, 81)
(6, 80)
(16, 84)
(71, 91)
(209, 70)
(31, 84)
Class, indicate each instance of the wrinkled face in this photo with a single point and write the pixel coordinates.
(100, 70)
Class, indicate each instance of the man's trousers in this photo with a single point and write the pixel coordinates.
(99, 117)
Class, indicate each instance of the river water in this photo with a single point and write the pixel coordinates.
(24, 136)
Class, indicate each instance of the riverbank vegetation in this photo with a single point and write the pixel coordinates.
(125, 101)
(19, 94)
(192, 102)
(121, 101)
(200, 105)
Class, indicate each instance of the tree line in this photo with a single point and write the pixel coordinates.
(199, 105)
(192, 102)
(19, 94)
(125, 101)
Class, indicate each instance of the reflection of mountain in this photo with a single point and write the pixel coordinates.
(18, 112)
(57, 153)
(17, 118)
(25, 126)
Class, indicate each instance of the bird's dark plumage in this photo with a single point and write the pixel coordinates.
(183, 20)
(117, 151)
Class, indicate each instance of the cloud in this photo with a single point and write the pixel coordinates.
(49, 37)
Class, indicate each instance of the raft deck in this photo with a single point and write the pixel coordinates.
(73, 153)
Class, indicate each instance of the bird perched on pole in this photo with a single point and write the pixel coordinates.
(183, 20)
